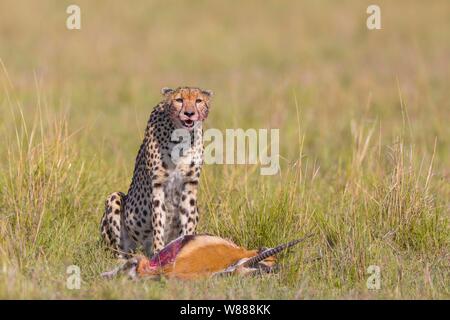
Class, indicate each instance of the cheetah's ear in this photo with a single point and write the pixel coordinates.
(166, 91)
(209, 93)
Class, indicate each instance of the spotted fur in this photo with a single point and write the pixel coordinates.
(161, 203)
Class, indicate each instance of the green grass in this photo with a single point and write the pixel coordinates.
(364, 141)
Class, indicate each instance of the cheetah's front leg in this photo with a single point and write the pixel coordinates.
(188, 208)
(158, 219)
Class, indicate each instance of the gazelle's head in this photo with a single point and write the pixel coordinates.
(129, 268)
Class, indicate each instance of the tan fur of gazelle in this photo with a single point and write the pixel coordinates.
(204, 255)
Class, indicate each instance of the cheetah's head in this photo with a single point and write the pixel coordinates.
(187, 105)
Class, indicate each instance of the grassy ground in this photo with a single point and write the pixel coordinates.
(364, 140)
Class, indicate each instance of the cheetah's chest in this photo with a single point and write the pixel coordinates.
(172, 195)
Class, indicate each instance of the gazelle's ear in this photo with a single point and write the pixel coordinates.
(209, 93)
(166, 91)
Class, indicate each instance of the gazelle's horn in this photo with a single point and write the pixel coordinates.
(273, 251)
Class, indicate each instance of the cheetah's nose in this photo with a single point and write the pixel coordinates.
(189, 114)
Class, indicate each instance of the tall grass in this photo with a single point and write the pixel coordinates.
(381, 210)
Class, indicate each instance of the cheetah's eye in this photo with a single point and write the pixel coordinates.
(198, 100)
(179, 100)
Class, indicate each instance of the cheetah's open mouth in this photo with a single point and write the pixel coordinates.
(187, 123)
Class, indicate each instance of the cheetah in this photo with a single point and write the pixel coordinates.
(161, 203)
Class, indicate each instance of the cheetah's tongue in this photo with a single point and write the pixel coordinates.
(188, 123)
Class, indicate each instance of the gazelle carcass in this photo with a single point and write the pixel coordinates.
(194, 256)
